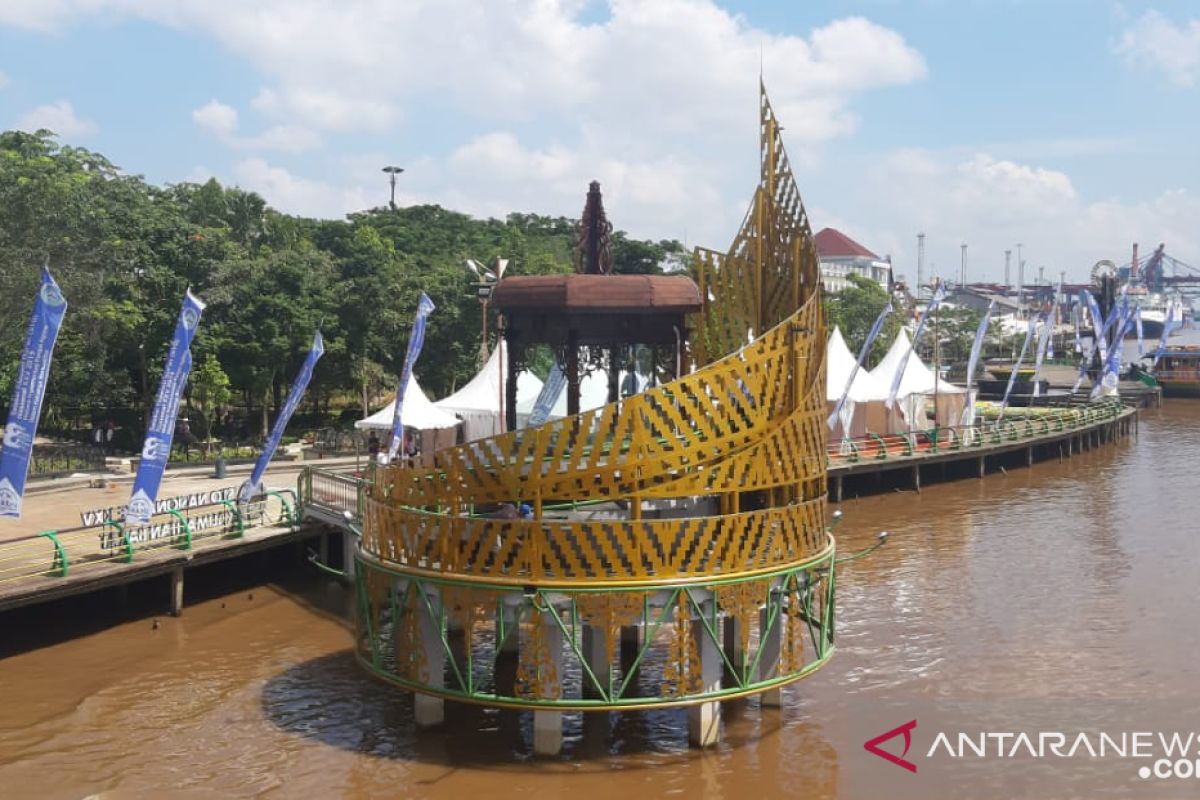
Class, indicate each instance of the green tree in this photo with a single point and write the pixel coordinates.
(854, 310)
(209, 390)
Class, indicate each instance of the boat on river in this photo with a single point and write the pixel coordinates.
(1178, 371)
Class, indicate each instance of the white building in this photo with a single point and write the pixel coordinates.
(840, 256)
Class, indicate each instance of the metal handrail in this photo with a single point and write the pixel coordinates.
(1034, 426)
(74, 548)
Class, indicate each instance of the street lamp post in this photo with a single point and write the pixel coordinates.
(392, 173)
(488, 279)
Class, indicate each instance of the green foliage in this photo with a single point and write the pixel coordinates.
(854, 310)
(125, 251)
(210, 390)
(954, 329)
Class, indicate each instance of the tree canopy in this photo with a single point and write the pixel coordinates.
(124, 251)
(854, 310)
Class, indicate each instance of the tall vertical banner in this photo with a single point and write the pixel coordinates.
(1098, 341)
(1116, 315)
(1012, 378)
(934, 302)
(1042, 345)
(556, 381)
(1169, 325)
(254, 483)
(862, 356)
(1141, 341)
(26, 410)
(968, 415)
(1059, 302)
(1110, 369)
(415, 342)
(1075, 314)
(156, 449)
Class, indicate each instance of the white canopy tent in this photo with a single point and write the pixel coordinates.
(478, 402)
(864, 409)
(437, 428)
(418, 412)
(918, 391)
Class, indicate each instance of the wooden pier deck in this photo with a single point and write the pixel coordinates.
(988, 445)
(50, 555)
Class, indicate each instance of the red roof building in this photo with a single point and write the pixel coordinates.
(835, 244)
(840, 255)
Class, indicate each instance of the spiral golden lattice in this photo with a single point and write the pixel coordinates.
(746, 428)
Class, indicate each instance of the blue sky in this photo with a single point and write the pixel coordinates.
(1067, 125)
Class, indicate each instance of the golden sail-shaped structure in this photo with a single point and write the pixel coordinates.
(678, 551)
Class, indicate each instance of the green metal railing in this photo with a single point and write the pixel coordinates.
(795, 626)
(1023, 425)
(68, 551)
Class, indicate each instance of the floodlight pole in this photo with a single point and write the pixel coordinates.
(392, 173)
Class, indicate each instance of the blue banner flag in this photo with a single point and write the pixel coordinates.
(1116, 315)
(160, 432)
(1170, 324)
(1012, 378)
(968, 413)
(1098, 341)
(556, 381)
(49, 307)
(862, 356)
(1075, 314)
(1111, 368)
(1141, 341)
(1042, 345)
(934, 302)
(1059, 302)
(415, 342)
(977, 345)
(253, 485)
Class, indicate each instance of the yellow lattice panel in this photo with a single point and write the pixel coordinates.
(517, 550)
(686, 424)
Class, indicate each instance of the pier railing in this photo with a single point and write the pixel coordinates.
(64, 552)
(336, 492)
(1020, 427)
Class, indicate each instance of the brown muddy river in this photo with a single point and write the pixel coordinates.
(1060, 598)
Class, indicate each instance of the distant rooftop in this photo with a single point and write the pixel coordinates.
(835, 244)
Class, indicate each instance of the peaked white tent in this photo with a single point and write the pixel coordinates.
(918, 389)
(478, 402)
(437, 428)
(418, 412)
(864, 410)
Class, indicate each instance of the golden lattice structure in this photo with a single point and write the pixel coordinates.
(734, 451)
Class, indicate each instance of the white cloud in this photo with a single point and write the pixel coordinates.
(502, 176)
(4, 81)
(58, 117)
(297, 195)
(41, 15)
(1156, 42)
(656, 100)
(222, 121)
(357, 64)
(992, 204)
(217, 118)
